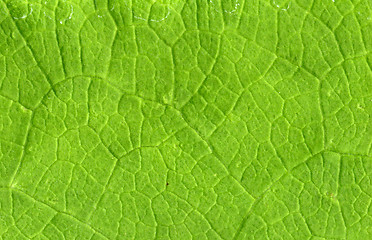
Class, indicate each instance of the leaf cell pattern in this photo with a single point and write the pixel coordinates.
(206, 119)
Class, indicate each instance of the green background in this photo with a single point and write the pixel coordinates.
(186, 119)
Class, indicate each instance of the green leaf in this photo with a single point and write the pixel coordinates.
(186, 119)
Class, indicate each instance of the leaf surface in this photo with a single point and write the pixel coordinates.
(186, 119)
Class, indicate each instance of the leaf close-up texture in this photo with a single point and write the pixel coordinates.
(185, 119)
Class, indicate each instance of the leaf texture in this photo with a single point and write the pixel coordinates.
(206, 119)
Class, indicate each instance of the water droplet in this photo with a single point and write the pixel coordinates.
(162, 19)
(237, 4)
(71, 12)
(288, 6)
